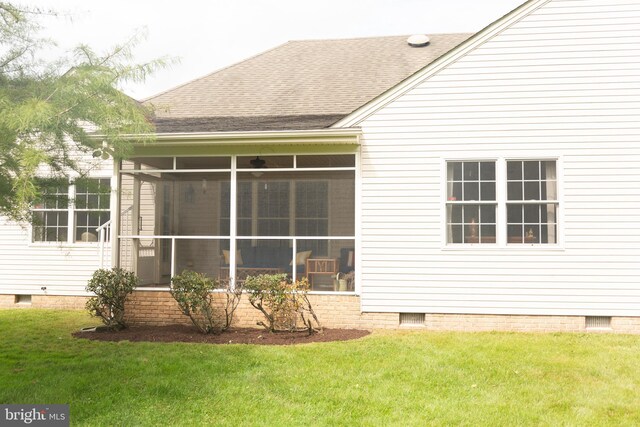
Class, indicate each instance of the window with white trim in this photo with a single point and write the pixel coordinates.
(92, 208)
(50, 213)
(532, 201)
(529, 199)
(471, 202)
(80, 207)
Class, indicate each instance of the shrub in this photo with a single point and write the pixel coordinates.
(111, 288)
(284, 304)
(193, 293)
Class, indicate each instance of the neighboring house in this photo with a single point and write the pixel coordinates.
(484, 182)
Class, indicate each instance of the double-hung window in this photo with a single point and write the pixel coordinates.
(91, 207)
(50, 214)
(481, 208)
(471, 202)
(532, 205)
(71, 212)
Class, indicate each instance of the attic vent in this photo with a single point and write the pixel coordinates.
(597, 322)
(418, 40)
(411, 319)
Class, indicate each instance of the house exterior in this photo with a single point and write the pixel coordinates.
(478, 182)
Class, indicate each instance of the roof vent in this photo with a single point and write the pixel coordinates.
(418, 40)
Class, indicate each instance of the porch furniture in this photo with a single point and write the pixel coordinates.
(321, 267)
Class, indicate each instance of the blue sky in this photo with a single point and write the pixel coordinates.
(208, 35)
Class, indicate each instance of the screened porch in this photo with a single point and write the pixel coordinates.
(230, 217)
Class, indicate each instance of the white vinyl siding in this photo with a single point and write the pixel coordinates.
(62, 267)
(560, 84)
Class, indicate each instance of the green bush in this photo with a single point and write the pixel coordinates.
(111, 288)
(193, 293)
(284, 304)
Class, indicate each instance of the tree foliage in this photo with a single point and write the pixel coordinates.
(50, 111)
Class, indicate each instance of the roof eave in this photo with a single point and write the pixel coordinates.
(346, 135)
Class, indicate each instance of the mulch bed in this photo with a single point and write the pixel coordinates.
(182, 333)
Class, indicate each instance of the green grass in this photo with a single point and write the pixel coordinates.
(387, 378)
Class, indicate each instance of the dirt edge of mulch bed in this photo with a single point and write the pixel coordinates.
(184, 333)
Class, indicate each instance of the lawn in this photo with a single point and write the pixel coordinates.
(388, 378)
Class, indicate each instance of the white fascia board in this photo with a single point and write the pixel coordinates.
(357, 116)
(321, 136)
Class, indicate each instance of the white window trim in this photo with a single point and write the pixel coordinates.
(501, 199)
(71, 219)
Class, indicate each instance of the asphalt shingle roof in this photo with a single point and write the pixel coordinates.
(307, 84)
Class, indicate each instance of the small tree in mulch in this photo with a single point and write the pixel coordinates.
(194, 294)
(284, 304)
(111, 287)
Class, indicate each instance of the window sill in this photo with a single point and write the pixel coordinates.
(509, 247)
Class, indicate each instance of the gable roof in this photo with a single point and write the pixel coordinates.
(439, 63)
(307, 84)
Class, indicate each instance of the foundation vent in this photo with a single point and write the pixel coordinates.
(23, 299)
(411, 319)
(597, 322)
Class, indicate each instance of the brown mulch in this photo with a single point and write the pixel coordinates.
(182, 333)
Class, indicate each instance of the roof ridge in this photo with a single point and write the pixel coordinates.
(214, 72)
(377, 37)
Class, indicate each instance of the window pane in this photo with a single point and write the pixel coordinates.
(531, 190)
(532, 170)
(488, 191)
(454, 191)
(532, 213)
(531, 223)
(514, 233)
(455, 214)
(478, 224)
(488, 214)
(455, 171)
(471, 191)
(514, 214)
(488, 233)
(514, 190)
(455, 234)
(514, 170)
(50, 226)
(471, 171)
(471, 213)
(488, 171)
(54, 194)
(86, 224)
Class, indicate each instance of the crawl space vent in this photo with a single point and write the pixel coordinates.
(411, 319)
(23, 299)
(597, 322)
